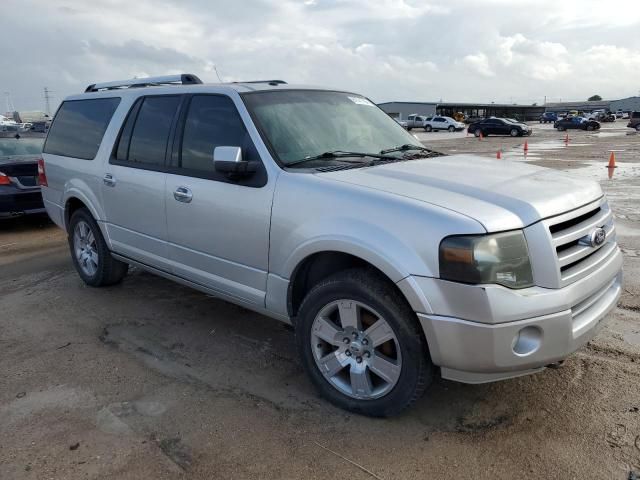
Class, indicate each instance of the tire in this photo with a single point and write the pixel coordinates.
(514, 132)
(90, 254)
(428, 128)
(478, 132)
(325, 336)
(638, 128)
(409, 128)
(452, 129)
(560, 129)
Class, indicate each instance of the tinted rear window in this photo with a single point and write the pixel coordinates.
(148, 144)
(79, 126)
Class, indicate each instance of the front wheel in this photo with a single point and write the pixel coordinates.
(90, 253)
(590, 128)
(514, 132)
(452, 129)
(638, 128)
(361, 344)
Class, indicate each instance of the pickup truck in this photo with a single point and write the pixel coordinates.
(415, 121)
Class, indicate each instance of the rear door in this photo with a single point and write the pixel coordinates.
(218, 226)
(134, 181)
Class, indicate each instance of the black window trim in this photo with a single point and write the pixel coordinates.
(137, 106)
(257, 180)
(55, 117)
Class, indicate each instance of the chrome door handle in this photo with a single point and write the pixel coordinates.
(108, 180)
(183, 194)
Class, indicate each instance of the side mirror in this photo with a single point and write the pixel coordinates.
(229, 160)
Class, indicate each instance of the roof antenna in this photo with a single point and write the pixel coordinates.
(215, 69)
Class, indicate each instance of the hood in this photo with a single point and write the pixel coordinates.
(499, 194)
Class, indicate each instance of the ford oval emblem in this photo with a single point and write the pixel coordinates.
(598, 236)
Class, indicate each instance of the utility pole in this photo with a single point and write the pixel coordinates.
(10, 107)
(47, 103)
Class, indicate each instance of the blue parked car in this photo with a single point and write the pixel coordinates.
(549, 117)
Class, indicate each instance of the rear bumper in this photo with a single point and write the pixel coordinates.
(16, 202)
(486, 333)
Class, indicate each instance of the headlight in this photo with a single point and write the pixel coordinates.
(501, 258)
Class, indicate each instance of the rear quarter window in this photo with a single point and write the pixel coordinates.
(79, 126)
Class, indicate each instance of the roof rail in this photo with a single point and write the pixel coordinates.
(182, 79)
(270, 82)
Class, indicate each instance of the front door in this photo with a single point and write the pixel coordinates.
(134, 182)
(218, 227)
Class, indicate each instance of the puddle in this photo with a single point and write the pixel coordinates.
(632, 338)
(602, 134)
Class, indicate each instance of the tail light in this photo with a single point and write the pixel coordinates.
(4, 179)
(42, 176)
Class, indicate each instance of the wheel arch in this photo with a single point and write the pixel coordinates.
(74, 199)
(318, 265)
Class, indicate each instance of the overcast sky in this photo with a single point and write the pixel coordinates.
(423, 50)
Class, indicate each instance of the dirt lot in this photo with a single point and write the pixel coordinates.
(149, 379)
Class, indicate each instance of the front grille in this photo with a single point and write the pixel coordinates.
(570, 235)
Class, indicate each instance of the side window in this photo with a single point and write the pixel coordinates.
(149, 136)
(439, 119)
(79, 126)
(212, 121)
(411, 117)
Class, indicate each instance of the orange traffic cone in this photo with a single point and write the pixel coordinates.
(612, 160)
(499, 154)
(481, 136)
(566, 139)
(526, 147)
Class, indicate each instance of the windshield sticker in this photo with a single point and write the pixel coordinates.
(361, 101)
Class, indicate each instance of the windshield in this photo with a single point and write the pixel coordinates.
(10, 146)
(305, 123)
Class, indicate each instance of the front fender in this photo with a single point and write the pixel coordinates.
(376, 246)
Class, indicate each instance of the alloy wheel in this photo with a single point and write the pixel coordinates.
(85, 248)
(356, 349)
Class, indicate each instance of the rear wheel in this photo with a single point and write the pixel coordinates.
(638, 128)
(477, 133)
(90, 254)
(361, 344)
(561, 129)
(428, 128)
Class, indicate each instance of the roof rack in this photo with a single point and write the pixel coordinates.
(270, 82)
(182, 79)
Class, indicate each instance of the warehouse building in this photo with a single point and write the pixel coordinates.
(401, 110)
(629, 104)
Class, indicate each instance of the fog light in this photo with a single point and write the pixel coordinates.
(527, 341)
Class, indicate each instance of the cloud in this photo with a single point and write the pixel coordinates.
(478, 63)
(424, 50)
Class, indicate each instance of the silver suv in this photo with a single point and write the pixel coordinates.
(315, 208)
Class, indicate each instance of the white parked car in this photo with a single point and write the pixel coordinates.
(443, 123)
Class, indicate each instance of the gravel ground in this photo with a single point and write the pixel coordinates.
(149, 379)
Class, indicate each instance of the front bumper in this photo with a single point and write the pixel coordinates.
(483, 333)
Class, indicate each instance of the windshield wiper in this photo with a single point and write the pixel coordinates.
(341, 154)
(404, 148)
